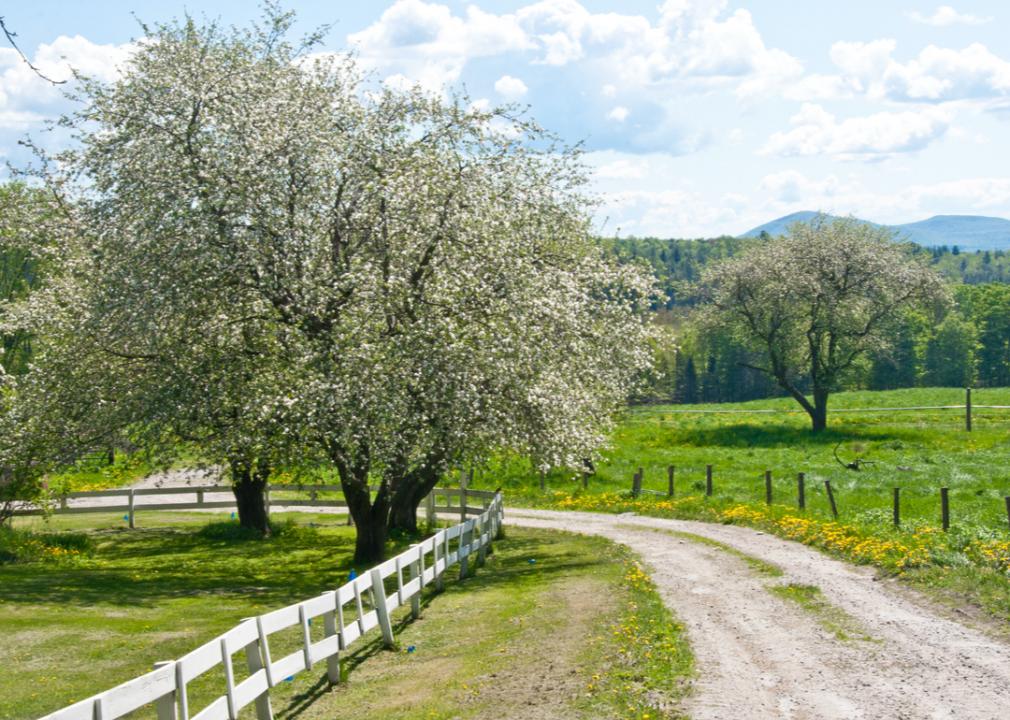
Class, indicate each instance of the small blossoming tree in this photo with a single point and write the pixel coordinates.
(818, 300)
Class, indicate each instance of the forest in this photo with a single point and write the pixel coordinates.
(964, 344)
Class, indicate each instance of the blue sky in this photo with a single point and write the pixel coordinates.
(699, 117)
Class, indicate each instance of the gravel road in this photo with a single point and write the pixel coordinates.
(760, 656)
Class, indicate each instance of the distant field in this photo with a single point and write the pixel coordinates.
(919, 451)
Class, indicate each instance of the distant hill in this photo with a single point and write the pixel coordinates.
(967, 232)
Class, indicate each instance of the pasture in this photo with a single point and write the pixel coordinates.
(918, 451)
(79, 622)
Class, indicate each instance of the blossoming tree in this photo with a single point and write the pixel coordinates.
(285, 263)
(818, 300)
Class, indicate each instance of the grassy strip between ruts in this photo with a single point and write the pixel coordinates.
(556, 624)
(954, 567)
(808, 597)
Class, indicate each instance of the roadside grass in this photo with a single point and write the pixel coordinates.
(517, 634)
(919, 451)
(832, 618)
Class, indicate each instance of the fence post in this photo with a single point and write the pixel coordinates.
(165, 705)
(831, 499)
(254, 662)
(381, 609)
(482, 550)
(415, 572)
(708, 481)
(944, 509)
(462, 504)
(585, 479)
(669, 480)
(801, 491)
(330, 628)
(1007, 501)
(131, 503)
(768, 487)
(636, 484)
(897, 507)
(967, 409)
(465, 537)
(199, 497)
(439, 551)
(543, 481)
(429, 508)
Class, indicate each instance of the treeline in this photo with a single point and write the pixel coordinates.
(967, 344)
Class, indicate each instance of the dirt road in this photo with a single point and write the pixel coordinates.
(761, 656)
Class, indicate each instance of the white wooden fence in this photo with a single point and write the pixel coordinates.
(131, 501)
(347, 613)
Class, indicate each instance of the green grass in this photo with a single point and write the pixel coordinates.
(519, 632)
(920, 452)
(832, 618)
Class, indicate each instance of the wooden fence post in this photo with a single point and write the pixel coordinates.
(768, 487)
(944, 509)
(132, 506)
(415, 572)
(897, 507)
(708, 481)
(465, 537)
(670, 470)
(967, 409)
(439, 546)
(330, 628)
(636, 485)
(381, 609)
(165, 705)
(543, 481)
(429, 508)
(254, 662)
(462, 504)
(585, 479)
(199, 497)
(831, 499)
(1007, 501)
(801, 491)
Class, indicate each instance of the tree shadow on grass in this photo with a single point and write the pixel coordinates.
(774, 435)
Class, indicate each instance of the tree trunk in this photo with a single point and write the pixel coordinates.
(407, 497)
(370, 517)
(249, 487)
(819, 412)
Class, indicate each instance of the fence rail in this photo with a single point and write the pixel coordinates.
(135, 500)
(348, 613)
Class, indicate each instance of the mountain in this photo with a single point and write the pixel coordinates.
(968, 232)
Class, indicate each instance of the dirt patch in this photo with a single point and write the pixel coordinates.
(544, 677)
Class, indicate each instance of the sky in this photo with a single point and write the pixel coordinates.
(698, 117)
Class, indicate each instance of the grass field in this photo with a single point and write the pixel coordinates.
(568, 622)
(918, 451)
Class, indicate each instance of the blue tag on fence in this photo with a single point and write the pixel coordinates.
(354, 574)
(126, 517)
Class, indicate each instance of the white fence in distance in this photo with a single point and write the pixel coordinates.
(366, 598)
(210, 497)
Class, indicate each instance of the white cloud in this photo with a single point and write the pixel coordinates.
(817, 132)
(510, 88)
(790, 186)
(618, 113)
(941, 74)
(945, 16)
(426, 42)
(935, 75)
(695, 44)
(26, 99)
